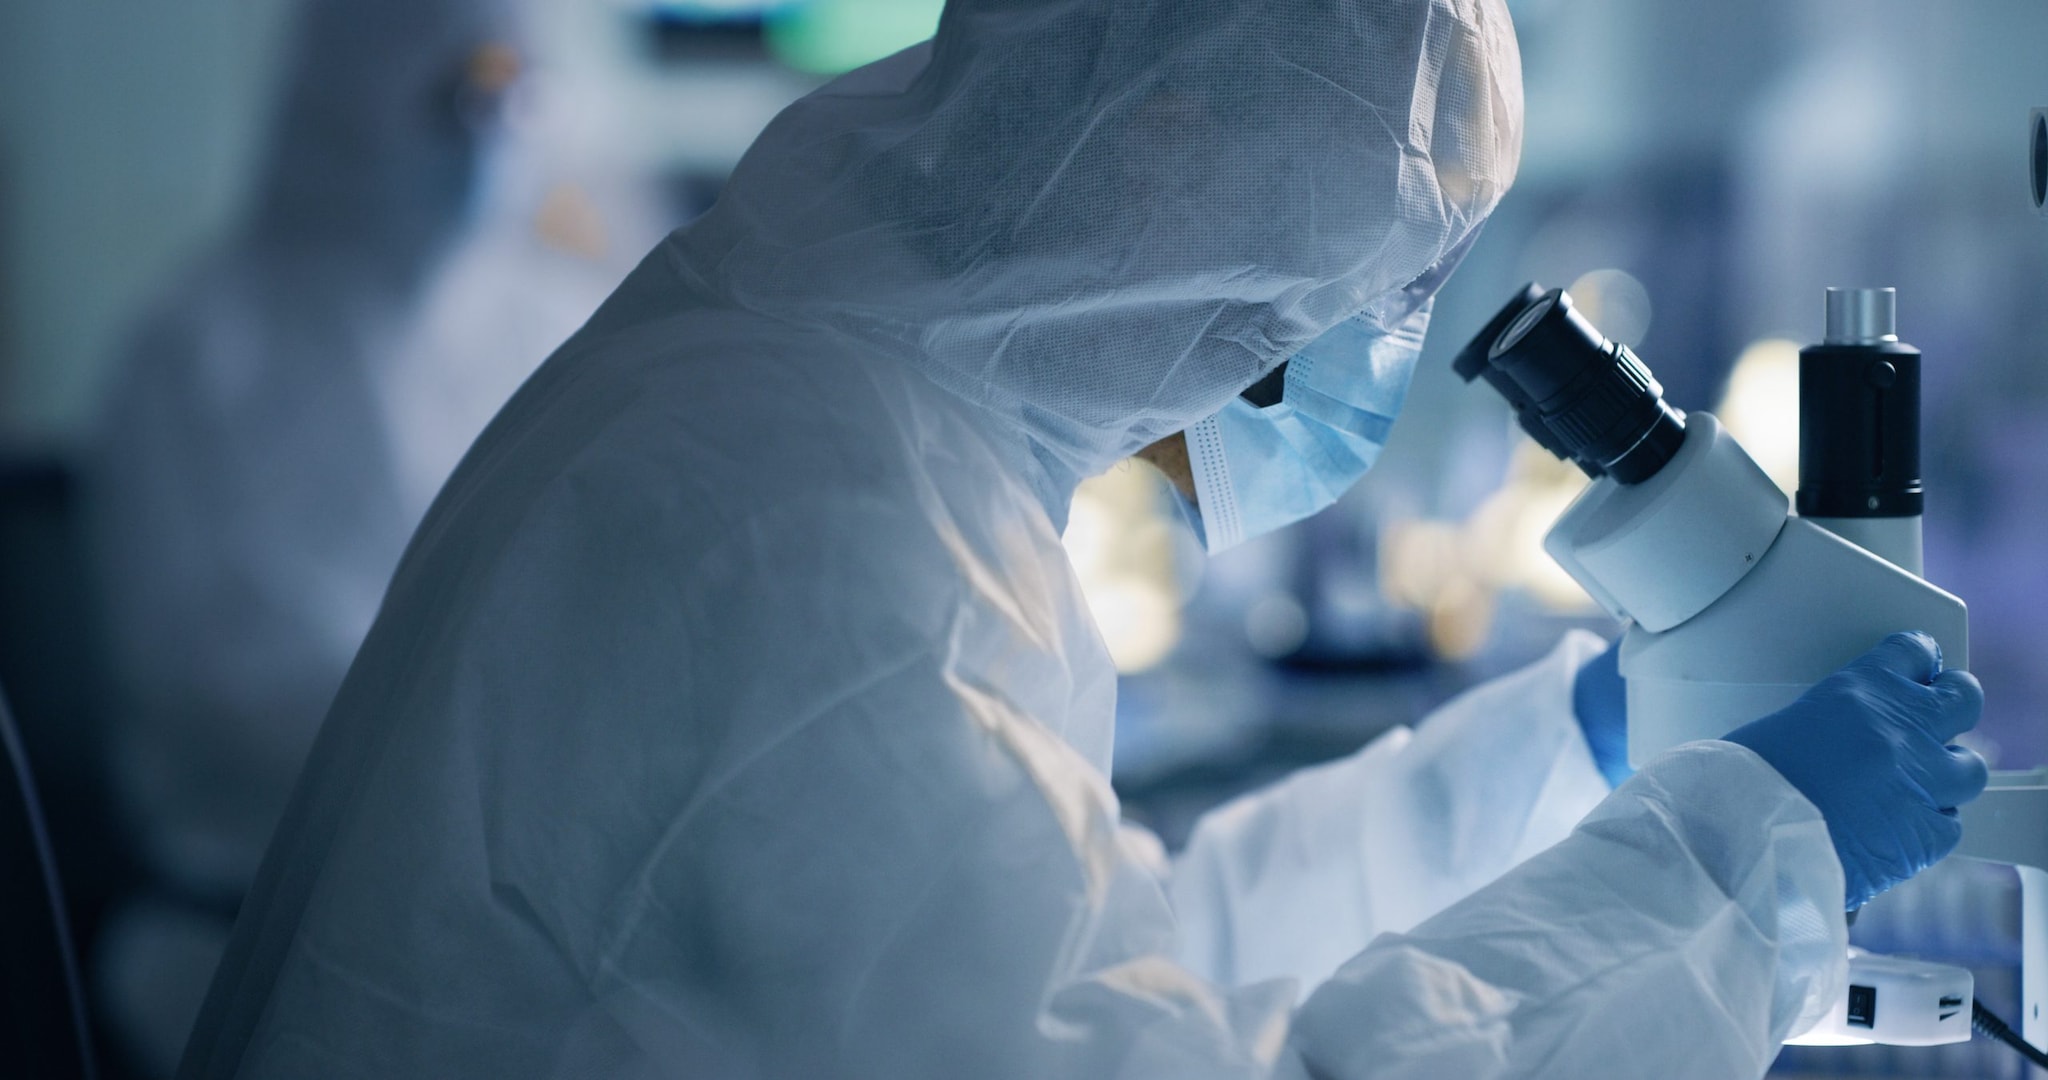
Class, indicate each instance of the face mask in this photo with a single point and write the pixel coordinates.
(1258, 468)
(1269, 460)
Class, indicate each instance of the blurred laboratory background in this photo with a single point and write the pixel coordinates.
(268, 266)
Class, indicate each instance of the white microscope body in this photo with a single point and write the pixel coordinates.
(1735, 607)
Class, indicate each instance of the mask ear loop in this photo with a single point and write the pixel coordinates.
(1222, 527)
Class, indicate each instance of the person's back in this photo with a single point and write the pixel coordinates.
(589, 807)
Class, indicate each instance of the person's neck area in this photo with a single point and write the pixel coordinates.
(1170, 457)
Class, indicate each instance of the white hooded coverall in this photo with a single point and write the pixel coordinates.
(281, 422)
(735, 712)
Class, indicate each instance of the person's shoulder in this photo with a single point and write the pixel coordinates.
(673, 440)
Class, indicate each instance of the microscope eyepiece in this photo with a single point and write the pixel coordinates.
(1593, 399)
(1525, 322)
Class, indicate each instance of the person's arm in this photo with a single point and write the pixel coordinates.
(1293, 880)
(1686, 928)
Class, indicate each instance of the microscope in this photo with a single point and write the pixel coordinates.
(1735, 605)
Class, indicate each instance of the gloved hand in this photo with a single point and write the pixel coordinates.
(1869, 747)
(1600, 701)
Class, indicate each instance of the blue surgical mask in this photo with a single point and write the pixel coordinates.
(1269, 460)
(1258, 468)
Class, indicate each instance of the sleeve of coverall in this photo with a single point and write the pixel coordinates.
(1293, 880)
(1683, 930)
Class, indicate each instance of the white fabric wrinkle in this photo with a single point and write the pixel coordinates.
(1159, 980)
(640, 893)
(883, 947)
(1080, 804)
(1260, 1016)
(1600, 965)
(1195, 46)
(1182, 359)
(985, 588)
(1329, 83)
(318, 955)
(1059, 172)
(1422, 113)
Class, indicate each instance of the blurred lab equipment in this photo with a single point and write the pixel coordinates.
(2009, 825)
(822, 37)
(2037, 159)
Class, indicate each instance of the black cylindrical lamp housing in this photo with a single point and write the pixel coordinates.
(1859, 431)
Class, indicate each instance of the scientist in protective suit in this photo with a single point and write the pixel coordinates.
(735, 711)
(283, 418)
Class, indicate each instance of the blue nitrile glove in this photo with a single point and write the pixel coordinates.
(1600, 701)
(1869, 747)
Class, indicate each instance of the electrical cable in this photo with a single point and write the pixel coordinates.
(1987, 1024)
(39, 835)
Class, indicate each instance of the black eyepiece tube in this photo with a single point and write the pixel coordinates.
(1471, 363)
(1597, 403)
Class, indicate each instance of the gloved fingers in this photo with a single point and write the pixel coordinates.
(1961, 700)
(1954, 777)
(1939, 835)
(1600, 701)
(1913, 655)
(1910, 843)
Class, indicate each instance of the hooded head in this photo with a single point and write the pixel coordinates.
(387, 112)
(1101, 219)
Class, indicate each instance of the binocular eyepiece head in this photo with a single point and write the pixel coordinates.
(1580, 396)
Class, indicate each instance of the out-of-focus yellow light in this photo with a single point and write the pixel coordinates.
(1120, 542)
(1418, 559)
(1461, 618)
(1430, 567)
(1615, 302)
(1761, 408)
(1508, 530)
(570, 221)
(1452, 573)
